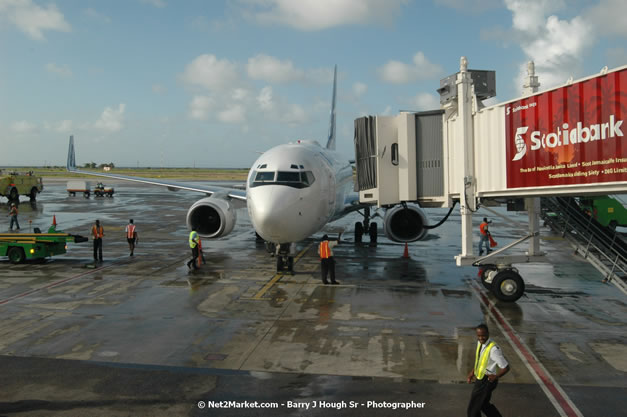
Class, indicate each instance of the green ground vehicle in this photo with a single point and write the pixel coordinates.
(21, 246)
(607, 210)
(14, 185)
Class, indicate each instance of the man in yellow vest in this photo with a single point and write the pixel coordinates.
(490, 365)
(193, 244)
(327, 262)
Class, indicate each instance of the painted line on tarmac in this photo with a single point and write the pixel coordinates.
(56, 283)
(278, 276)
(560, 400)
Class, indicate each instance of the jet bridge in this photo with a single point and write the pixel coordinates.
(566, 141)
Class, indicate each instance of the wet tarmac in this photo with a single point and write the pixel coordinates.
(143, 336)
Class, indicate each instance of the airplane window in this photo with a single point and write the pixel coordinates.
(307, 177)
(288, 176)
(264, 176)
(261, 178)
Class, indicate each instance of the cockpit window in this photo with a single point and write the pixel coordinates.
(264, 176)
(296, 179)
(288, 176)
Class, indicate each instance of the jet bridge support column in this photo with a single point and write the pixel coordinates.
(532, 204)
(466, 135)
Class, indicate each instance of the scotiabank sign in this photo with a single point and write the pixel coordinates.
(572, 135)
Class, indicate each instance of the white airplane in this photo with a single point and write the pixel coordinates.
(292, 192)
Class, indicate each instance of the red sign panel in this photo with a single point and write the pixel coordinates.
(572, 135)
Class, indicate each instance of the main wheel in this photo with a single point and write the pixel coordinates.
(372, 231)
(13, 194)
(359, 232)
(16, 255)
(33, 194)
(508, 285)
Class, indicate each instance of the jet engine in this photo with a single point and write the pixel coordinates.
(212, 217)
(405, 224)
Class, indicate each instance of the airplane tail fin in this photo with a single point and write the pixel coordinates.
(71, 159)
(331, 140)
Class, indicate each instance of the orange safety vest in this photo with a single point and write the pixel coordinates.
(130, 231)
(97, 232)
(325, 251)
(482, 228)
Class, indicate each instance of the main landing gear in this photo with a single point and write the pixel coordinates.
(366, 227)
(505, 283)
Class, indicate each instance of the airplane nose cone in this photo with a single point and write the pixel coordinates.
(275, 213)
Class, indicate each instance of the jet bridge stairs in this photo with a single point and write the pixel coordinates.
(603, 247)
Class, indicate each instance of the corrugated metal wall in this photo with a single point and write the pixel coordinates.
(429, 154)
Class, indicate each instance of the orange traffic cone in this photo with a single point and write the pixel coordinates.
(54, 219)
(406, 252)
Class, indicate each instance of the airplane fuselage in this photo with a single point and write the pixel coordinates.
(294, 190)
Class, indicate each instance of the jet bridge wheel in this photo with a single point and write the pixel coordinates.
(508, 285)
(484, 270)
(359, 232)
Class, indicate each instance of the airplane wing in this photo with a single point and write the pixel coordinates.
(238, 195)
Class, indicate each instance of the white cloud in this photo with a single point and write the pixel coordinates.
(63, 71)
(158, 89)
(210, 72)
(64, 126)
(270, 69)
(421, 68)
(265, 98)
(359, 89)
(23, 127)
(240, 94)
(295, 115)
(312, 15)
(425, 101)
(233, 114)
(608, 17)
(111, 120)
(155, 3)
(95, 14)
(556, 46)
(33, 19)
(200, 107)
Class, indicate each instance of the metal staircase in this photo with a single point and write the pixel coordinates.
(603, 247)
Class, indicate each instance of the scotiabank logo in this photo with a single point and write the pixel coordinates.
(566, 135)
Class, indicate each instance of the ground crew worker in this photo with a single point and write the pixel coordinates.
(131, 236)
(327, 262)
(488, 358)
(484, 237)
(97, 232)
(194, 239)
(13, 215)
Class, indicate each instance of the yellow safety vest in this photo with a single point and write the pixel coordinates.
(193, 237)
(481, 363)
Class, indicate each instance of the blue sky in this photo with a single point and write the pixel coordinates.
(212, 84)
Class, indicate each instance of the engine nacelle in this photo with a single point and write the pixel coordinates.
(212, 217)
(402, 224)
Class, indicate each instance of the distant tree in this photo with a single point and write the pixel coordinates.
(90, 165)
